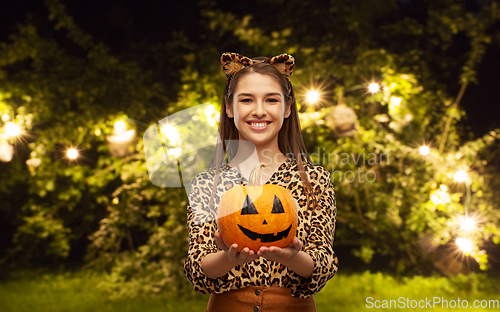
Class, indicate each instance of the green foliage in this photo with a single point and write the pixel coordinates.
(384, 186)
(390, 199)
(62, 100)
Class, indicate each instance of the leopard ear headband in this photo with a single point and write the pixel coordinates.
(234, 62)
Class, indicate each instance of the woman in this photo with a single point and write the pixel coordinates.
(260, 118)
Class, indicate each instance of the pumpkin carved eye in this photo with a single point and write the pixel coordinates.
(249, 207)
(277, 206)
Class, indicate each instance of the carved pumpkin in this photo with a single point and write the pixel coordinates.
(253, 216)
(342, 121)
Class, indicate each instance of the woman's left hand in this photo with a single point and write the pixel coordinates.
(281, 255)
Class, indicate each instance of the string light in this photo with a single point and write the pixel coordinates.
(171, 133)
(395, 101)
(72, 153)
(120, 127)
(373, 87)
(440, 197)
(467, 224)
(461, 176)
(12, 130)
(464, 244)
(312, 97)
(424, 150)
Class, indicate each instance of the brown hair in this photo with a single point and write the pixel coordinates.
(290, 139)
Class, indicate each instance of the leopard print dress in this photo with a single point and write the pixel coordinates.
(316, 230)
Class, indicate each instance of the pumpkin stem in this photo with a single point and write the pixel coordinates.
(255, 175)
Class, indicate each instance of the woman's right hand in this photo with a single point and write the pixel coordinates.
(246, 255)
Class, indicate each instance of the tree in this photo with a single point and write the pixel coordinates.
(392, 200)
(412, 204)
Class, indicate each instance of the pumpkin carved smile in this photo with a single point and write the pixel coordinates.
(249, 209)
(265, 238)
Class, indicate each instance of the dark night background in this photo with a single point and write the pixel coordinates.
(131, 26)
(146, 33)
(128, 24)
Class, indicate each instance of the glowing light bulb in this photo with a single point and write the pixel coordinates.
(373, 87)
(440, 197)
(312, 97)
(467, 224)
(12, 130)
(396, 101)
(120, 126)
(72, 153)
(464, 244)
(461, 176)
(424, 150)
(171, 133)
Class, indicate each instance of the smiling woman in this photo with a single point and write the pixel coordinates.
(277, 250)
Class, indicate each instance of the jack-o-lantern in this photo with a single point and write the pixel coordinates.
(257, 215)
(342, 121)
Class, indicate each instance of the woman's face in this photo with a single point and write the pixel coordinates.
(259, 109)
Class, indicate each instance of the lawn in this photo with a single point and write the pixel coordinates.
(77, 292)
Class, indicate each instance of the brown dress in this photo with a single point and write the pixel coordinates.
(259, 299)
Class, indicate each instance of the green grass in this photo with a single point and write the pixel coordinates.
(350, 292)
(77, 292)
(33, 292)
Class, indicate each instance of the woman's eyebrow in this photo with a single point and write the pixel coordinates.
(268, 94)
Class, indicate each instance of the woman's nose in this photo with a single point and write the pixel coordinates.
(259, 110)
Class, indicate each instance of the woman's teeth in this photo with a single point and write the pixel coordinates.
(262, 125)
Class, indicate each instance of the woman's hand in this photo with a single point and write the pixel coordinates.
(281, 255)
(246, 255)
